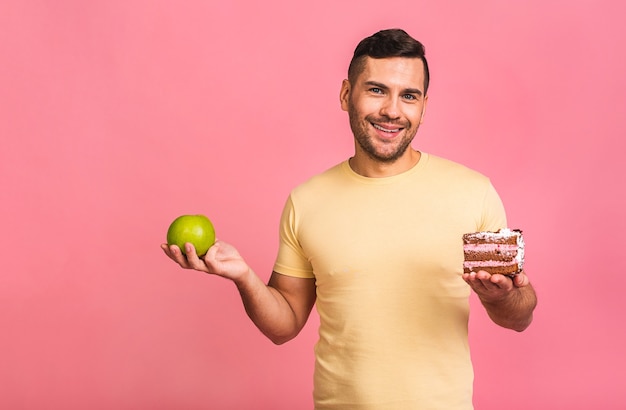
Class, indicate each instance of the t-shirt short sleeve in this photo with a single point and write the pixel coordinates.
(493, 215)
(291, 260)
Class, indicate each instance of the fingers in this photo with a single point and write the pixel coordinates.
(483, 278)
(520, 280)
(173, 252)
(188, 261)
(210, 259)
(502, 281)
(193, 261)
(475, 281)
(483, 282)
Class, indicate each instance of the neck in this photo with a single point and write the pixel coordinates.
(365, 166)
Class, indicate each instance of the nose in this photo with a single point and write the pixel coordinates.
(390, 108)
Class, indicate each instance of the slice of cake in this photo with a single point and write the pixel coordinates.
(499, 252)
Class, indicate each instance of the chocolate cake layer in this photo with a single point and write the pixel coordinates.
(494, 252)
(502, 270)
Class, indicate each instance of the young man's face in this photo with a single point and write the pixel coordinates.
(385, 104)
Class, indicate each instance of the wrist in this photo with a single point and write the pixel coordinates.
(245, 279)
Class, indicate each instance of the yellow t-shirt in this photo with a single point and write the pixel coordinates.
(387, 257)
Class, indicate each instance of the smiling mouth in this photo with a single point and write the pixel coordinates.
(383, 129)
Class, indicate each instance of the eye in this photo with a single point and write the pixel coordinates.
(376, 90)
(410, 97)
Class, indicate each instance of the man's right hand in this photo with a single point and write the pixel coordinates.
(221, 259)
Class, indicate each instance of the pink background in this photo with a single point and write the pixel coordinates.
(118, 116)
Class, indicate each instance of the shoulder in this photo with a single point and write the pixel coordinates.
(327, 179)
(452, 171)
(446, 166)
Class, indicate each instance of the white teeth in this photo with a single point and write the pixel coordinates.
(378, 127)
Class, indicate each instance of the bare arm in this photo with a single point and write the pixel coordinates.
(509, 302)
(279, 309)
(281, 316)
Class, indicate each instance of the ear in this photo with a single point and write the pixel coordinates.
(344, 94)
(424, 109)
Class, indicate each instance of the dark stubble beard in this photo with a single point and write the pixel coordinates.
(359, 129)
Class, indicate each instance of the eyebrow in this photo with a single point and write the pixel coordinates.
(384, 87)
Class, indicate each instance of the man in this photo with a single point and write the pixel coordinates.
(375, 243)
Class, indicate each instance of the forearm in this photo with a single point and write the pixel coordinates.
(515, 311)
(268, 309)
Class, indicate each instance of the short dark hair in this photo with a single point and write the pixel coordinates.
(385, 44)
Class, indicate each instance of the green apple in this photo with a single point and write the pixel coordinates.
(196, 229)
